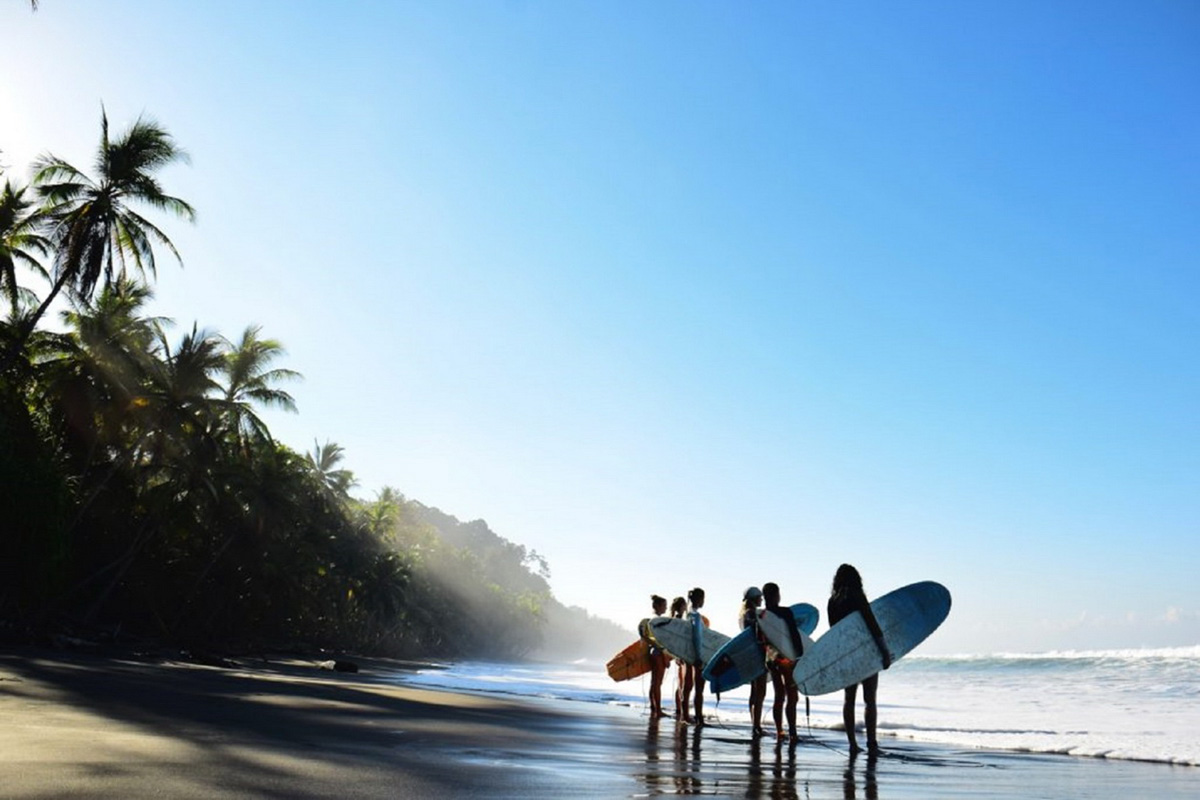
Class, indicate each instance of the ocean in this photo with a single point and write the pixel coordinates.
(1138, 705)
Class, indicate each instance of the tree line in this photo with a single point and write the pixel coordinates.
(142, 495)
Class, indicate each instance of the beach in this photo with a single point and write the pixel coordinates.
(78, 725)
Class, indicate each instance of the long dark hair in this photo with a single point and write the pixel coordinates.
(847, 582)
(678, 607)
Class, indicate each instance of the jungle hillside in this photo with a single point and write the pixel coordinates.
(142, 495)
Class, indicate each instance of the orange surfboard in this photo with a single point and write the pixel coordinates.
(630, 662)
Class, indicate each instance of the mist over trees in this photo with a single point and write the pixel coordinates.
(143, 497)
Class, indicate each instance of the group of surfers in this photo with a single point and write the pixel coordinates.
(846, 597)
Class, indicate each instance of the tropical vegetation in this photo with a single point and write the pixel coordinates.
(143, 496)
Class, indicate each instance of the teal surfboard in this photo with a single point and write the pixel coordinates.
(741, 659)
(847, 653)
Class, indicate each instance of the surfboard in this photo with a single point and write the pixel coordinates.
(775, 631)
(847, 654)
(741, 659)
(676, 637)
(631, 662)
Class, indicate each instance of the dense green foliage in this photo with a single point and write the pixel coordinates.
(142, 495)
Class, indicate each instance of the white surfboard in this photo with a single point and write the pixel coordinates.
(847, 653)
(775, 630)
(678, 639)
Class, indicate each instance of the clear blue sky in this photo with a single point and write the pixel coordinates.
(706, 293)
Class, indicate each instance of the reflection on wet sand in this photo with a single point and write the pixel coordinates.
(850, 783)
(687, 760)
(782, 782)
(707, 762)
(681, 775)
(653, 772)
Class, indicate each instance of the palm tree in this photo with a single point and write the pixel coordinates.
(94, 223)
(20, 243)
(380, 516)
(168, 459)
(324, 460)
(92, 376)
(249, 379)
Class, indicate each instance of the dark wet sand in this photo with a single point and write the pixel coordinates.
(77, 726)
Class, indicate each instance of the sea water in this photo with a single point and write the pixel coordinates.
(1124, 704)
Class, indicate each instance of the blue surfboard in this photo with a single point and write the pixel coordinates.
(741, 659)
(847, 653)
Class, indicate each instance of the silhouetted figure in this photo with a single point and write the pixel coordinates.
(678, 609)
(658, 659)
(786, 691)
(748, 618)
(694, 681)
(846, 598)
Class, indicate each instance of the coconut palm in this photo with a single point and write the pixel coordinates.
(249, 378)
(92, 375)
(381, 515)
(324, 460)
(20, 243)
(94, 223)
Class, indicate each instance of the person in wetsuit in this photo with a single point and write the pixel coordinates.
(847, 596)
(786, 692)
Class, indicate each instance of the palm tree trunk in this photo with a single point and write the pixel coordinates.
(25, 330)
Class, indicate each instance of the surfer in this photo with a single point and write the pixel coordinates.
(748, 618)
(678, 609)
(846, 597)
(693, 684)
(786, 691)
(658, 659)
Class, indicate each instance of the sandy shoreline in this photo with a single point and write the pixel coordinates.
(79, 726)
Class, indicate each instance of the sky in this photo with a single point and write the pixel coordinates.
(701, 293)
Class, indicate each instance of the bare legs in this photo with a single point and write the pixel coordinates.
(871, 713)
(870, 685)
(786, 696)
(685, 693)
(658, 668)
(758, 694)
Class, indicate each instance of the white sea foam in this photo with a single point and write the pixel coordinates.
(1127, 704)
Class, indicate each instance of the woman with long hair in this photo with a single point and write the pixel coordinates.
(658, 659)
(846, 597)
(748, 618)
